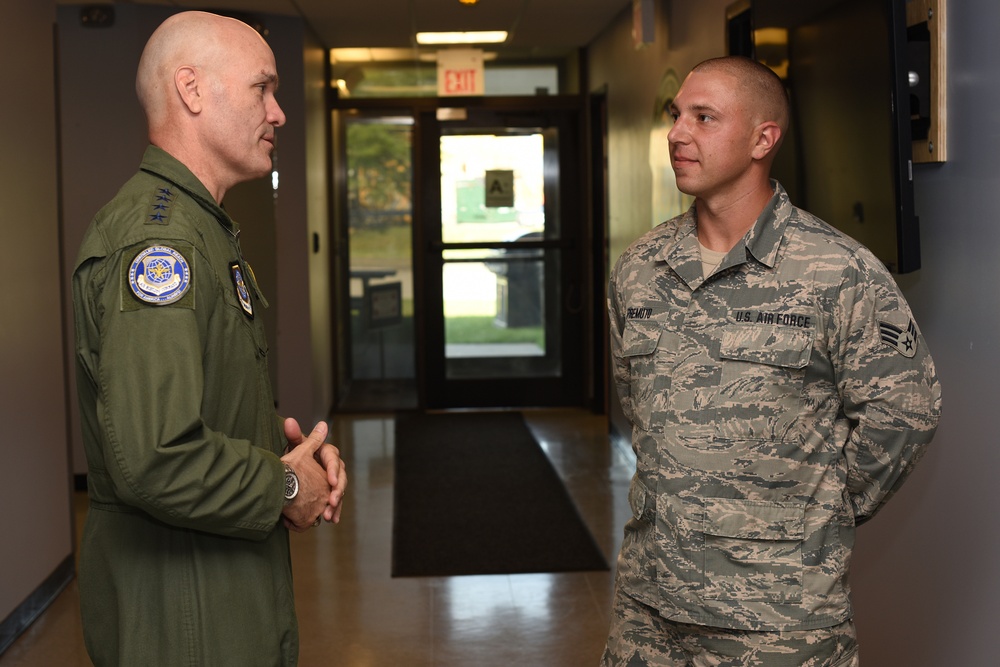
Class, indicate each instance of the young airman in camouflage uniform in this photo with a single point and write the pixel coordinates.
(779, 393)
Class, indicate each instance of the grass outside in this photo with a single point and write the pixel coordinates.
(480, 330)
(384, 243)
(477, 329)
(473, 328)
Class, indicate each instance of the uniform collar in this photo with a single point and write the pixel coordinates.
(160, 163)
(762, 242)
(764, 239)
(683, 255)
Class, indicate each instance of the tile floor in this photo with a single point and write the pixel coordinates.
(352, 613)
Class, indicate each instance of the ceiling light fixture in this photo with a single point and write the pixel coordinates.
(480, 37)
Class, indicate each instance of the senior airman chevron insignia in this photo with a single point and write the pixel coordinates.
(903, 341)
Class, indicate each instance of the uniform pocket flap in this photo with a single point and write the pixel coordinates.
(753, 519)
(787, 348)
(637, 495)
(640, 339)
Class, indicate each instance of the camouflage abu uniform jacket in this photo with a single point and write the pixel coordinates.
(774, 406)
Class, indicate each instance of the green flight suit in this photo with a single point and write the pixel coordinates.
(184, 559)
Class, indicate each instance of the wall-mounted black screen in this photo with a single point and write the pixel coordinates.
(847, 158)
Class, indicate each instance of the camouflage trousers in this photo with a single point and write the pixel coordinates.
(640, 637)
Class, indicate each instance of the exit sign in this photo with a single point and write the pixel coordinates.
(460, 72)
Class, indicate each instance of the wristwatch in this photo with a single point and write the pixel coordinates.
(291, 484)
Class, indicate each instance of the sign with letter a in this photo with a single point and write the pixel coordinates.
(460, 72)
(499, 188)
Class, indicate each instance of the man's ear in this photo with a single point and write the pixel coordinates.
(187, 83)
(768, 137)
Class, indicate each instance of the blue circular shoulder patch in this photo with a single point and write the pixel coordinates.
(159, 275)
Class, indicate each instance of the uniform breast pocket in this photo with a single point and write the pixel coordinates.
(640, 340)
(763, 370)
(246, 322)
(753, 550)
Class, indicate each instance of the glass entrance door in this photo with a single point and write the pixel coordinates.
(502, 287)
(376, 323)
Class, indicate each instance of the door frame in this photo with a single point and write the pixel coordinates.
(582, 238)
(564, 206)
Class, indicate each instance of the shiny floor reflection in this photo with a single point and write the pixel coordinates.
(353, 613)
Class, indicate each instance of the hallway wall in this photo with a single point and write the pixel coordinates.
(36, 521)
(926, 579)
(924, 575)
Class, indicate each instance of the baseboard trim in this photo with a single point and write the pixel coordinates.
(621, 443)
(28, 611)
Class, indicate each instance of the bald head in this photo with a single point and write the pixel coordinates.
(207, 86)
(196, 39)
(762, 91)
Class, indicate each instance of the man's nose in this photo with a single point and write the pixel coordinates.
(275, 115)
(675, 132)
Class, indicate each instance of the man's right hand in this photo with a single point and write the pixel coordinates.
(315, 491)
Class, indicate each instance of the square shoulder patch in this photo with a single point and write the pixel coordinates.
(157, 275)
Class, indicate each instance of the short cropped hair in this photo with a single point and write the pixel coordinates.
(758, 84)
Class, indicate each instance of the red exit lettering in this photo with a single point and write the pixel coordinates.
(458, 81)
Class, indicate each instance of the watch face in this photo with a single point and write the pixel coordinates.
(291, 484)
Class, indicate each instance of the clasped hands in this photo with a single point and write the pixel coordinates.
(322, 477)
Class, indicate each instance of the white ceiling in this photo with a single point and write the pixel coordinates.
(538, 28)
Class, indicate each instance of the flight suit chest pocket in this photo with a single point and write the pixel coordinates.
(640, 340)
(244, 308)
(753, 550)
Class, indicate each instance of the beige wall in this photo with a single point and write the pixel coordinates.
(317, 180)
(35, 524)
(302, 291)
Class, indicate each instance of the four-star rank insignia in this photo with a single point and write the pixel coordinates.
(242, 293)
(159, 275)
(159, 207)
(903, 341)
